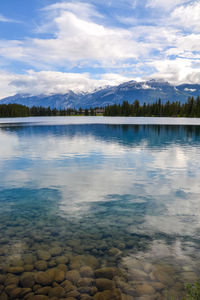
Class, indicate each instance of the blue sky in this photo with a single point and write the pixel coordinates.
(49, 46)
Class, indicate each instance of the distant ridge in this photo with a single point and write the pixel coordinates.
(148, 92)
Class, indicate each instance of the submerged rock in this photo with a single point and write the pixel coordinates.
(56, 292)
(85, 282)
(43, 255)
(108, 295)
(41, 265)
(104, 284)
(68, 286)
(43, 278)
(86, 271)
(11, 280)
(55, 251)
(27, 280)
(114, 252)
(38, 297)
(73, 276)
(108, 273)
(144, 289)
(84, 260)
(16, 270)
(43, 290)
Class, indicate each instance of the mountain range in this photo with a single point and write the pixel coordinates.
(148, 92)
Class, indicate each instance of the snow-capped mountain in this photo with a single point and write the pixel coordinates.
(148, 92)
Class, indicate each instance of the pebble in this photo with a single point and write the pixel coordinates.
(86, 271)
(144, 289)
(43, 278)
(73, 276)
(27, 280)
(105, 273)
(43, 255)
(56, 292)
(104, 284)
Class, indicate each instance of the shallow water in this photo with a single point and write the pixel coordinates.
(103, 211)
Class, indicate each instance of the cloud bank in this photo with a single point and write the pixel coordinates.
(76, 44)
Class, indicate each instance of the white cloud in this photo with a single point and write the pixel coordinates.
(76, 40)
(79, 36)
(165, 4)
(49, 82)
(187, 16)
(7, 20)
(177, 70)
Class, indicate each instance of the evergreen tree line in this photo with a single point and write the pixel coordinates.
(169, 109)
(17, 110)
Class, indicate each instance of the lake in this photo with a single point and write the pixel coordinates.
(99, 208)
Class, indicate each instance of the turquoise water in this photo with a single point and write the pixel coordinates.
(98, 211)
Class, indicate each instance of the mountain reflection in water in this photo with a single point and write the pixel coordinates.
(98, 211)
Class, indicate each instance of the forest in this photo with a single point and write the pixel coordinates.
(157, 109)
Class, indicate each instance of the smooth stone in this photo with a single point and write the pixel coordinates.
(43, 255)
(41, 265)
(43, 290)
(190, 277)
(27, 280)
(59, 275)
(86, 297)
(86, 271)
(16, 270)
(126, 297)
(15, 293)
(84, 260)
(25, 291)
(147, 267)
(158, 285)
(137, 275)
(55, 251)
(3, 296)
(104, 284)
(121, 246)
(68, 286)
(144, 289)
(74, 294)
(108, 295)
(85, 290)
(29, 259)
(36, 287)
(105, 273)
(62, 267)
(62, 260)
(17, 263)
(150, 297)
(114, 252)
(2, 278)
(56, 292)
(85, 282)
(52, 263)
(11, 280)
(9, 288)
(27, 296)
(163, 277)
(125, 287)
(38, 297)
(28, 268)
(43, 278)
(56, 274)
(73, 276)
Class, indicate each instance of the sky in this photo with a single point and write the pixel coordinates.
(53, 46)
